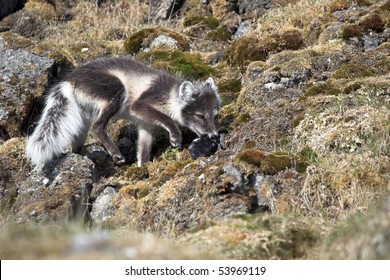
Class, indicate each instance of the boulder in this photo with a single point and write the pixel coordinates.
(10, 6)
(23, 79)
(58, 194)
(164, 9)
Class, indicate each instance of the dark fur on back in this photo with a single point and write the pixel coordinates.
(95, 79)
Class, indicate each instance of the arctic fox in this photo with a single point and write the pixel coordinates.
(121, 88)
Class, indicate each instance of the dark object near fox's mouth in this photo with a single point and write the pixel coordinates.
(204, 146)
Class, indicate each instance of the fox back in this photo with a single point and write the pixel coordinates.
(121, 88)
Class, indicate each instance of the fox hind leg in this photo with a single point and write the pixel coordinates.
(78, 142)
(100, 129)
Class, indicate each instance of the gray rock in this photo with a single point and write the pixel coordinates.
(104, 165)
(242, 29)
(23, 79)
(10, 6)
(163, 9)
(245, 6)
(103, 208)
(164, 42)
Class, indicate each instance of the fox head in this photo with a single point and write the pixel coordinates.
(199, 107)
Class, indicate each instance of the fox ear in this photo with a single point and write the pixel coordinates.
(187, 91)
(211, 83)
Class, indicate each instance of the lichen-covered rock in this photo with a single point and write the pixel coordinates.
(144, 38)
(58, 194)
(163, 10)
(184, 202)
(103, 208)
(23, 79)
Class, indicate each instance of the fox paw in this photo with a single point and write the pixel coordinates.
(118, 160)
(175, 141)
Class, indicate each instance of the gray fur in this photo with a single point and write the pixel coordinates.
(123, 88)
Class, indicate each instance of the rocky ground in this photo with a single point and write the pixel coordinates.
(305, 122)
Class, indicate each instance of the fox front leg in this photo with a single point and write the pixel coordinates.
(149, 114)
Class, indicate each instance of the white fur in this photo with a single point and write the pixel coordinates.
(210, 81)
(186, 92)
(43, 145)
(134, 84)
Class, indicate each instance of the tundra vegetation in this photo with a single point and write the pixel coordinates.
(304, 120)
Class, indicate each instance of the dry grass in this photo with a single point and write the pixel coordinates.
(310, 16)
(352, 165)
(94, 31)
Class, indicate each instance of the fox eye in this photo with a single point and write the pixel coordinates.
(200, 116)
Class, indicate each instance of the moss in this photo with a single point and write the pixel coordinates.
(228, 90)
(363, 3)
(176, 61)
(242, 118)
(276, 162)
(233, 85)
(245, 50)
(383, 65)
(143, 37)
(136, 191)
(352, 87)
(136, 173)
(208, 21)
(291, 39)
(42, 8)
(15, 41)
(372, 22)
(297, 120)
(251, 156)
(168, 169)
(351, 31)
(338, 5)
(221, 34)
(308, 153)
(352, 71)
(326, 88)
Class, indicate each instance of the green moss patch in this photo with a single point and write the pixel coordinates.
(208, 21)
(326, 89)
(251, 156)
(244, 51)
(143, 37)
(220, 34)
(297, 120)
(275, 162)
(176, 61)
(352, 87)
(228, 90)
(352, 71)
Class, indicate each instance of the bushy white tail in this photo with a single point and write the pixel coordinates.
(60, 124)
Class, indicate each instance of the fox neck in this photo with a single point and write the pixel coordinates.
(176, 106)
